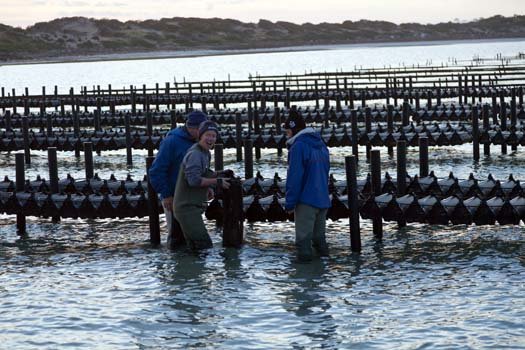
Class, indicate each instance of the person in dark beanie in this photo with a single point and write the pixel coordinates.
(307, 186)
(192, 190)
(165, 169)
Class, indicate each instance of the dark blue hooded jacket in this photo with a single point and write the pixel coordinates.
(308, 169)
(165, 169)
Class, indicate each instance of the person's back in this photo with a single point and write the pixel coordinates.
(307, 192)
(165, 169)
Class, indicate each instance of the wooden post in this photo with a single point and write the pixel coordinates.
(149, 126)
(233, 216)
(475, 133)
(278, 131)
(88, 159)
(129, 155)
(153, 209)
(20, 181)
(406, 113)
(401, 173)
(248, 158)
(353, 204)
(53, 174)
(513, 116)
(76, 129)
(368, 128)
(377, 223)
(423, 156)
(25, 135)
(97, 115)
(316, 94)
(503, 119)
(49, 119)
(238, 136)
(355, 135)
(219, 159)
(390, 126)
(486, 127)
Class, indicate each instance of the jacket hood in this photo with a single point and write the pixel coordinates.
(180, 132)
(308, 135)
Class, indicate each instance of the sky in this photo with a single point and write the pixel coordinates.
(23, 13)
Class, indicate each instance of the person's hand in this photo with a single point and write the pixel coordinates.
(225, 183)
(226, 173)
(167, 203)
(211, 194)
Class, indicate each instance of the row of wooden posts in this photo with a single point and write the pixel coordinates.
(233, 215)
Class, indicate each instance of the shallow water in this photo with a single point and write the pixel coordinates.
(98, 284)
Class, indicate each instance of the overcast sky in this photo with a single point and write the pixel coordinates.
(22, 13)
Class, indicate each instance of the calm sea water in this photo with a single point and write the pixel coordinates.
(97, 284)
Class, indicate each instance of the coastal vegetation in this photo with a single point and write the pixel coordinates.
(80, 36)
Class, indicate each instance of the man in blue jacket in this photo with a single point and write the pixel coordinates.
(307, 186)
(165, 169)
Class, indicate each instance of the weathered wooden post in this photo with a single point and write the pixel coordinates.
(486, 127)
(377, 223)
(233, 215)
(248, 158)
(423, 156)
(475, 133)
(129, 155)
(149, 127)
(219, 159)
(503, 119)
(353, 203)
(513, 116)
(53, 174)
(401, 173)
(76, 130)
(238, 136)
(355, 135)
(7, 117)
(390, 126)
(153, 208)
(406, 113)
(278, 131)
(368, 129)
(88, 159)
(20, 181)
(25, 135)
(316, 94)
(96, 115)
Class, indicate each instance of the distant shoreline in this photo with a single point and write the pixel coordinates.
(212, 52)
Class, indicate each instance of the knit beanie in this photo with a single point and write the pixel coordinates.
(195, 119)
(294, 122)
(206, 126)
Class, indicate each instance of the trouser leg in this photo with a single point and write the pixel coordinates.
(304, 224)
(195, 232)
(175, 235)
(319, 233)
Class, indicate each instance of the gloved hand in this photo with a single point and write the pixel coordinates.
(228, 174)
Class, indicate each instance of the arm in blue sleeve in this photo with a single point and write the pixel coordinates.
(294, 178)
(158, 173)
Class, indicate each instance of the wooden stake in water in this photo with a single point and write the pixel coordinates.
(238, 136)
(20, 181)
(25, 135)
(248, 158)
(423, 156)
(219, 159)
(475, 133)
(88, 159)
(486, 126)
(153, 208)
(377, 223)
(401, 173)
(353, 204)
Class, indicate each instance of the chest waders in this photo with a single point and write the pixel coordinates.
(188, 207)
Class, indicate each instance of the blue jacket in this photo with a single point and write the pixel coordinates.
(308, 168)
(165, 169)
